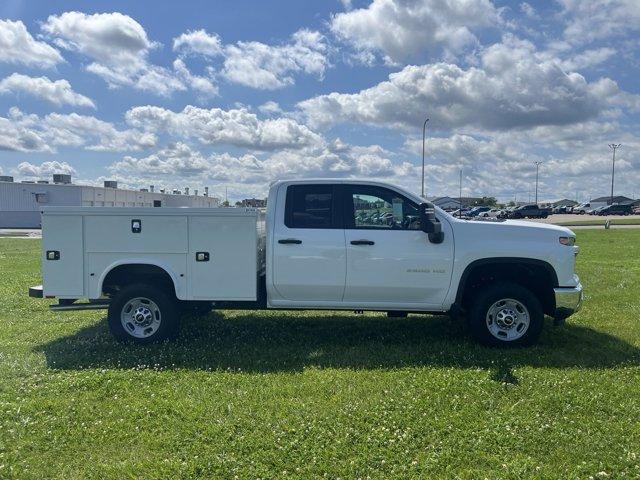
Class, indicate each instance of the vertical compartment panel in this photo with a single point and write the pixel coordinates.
(230, 273)
(63, 277)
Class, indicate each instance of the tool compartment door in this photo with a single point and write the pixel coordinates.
(63, 273)
(229, 245)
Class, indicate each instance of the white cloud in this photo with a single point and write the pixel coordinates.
(45, 169)
(270, 108)
(403, 30)
(512, 87)
(237, 127)
(119, 47)
(588, 58)
(347, 4)
(203, 85)
(57, 92)
(528, 10)
(112, 39)
(248, 173)
(20, 137)
(590, 20)
(198, 42)
(576, 161)
(18, 46)
(256, 64)
(32, 133)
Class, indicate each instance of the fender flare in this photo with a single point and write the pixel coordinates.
(502, 260)
(141, 261)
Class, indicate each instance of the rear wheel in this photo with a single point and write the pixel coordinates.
(506, 314)
(143, 314)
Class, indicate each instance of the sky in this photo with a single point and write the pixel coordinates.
(236, 94)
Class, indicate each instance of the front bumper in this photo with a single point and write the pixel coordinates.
(568, 301)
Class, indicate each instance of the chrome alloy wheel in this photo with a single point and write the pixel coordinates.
(508, 319)
(140, 317)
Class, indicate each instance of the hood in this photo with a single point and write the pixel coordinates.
(514, 228)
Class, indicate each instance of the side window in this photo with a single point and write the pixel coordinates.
(380, 208)
(309, 206)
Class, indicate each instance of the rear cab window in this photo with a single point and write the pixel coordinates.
(312, 206)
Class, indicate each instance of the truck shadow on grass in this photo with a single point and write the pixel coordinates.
(288, 342)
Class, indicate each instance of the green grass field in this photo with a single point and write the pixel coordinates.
(304, 395)
(600, 221)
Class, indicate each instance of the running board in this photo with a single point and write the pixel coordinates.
(98, 305)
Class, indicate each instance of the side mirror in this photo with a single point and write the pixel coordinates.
(429, 224)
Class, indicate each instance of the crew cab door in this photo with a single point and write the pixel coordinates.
(309, 256)
(389, 259)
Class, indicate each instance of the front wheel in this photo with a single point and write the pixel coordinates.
(143, 314)
(505, 314)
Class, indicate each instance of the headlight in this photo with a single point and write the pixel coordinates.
(569, 241)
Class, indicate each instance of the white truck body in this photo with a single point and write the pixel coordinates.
(92, 241)
(367, 255)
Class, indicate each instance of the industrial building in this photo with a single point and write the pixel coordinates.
(21, 202)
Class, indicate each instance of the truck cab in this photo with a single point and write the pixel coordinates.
(353, 245)
(324, 244)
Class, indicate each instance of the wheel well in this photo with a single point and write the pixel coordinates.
(537, 276)
(124, 275)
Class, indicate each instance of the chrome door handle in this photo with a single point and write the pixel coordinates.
(362, 242)
(290, 241)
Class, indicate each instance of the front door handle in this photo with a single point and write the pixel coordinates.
(362, 242)
(290, 241)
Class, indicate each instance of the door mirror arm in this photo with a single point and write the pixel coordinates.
(429, 224)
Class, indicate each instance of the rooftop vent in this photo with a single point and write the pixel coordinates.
(110, 184)
(61, 178)
(6, 178)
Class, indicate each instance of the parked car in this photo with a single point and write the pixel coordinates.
(310, 251)
(493, 213)
(475, 211)
(636, 210)
(461, 212)
(596, 211)
(616, 209)
(582, 209)
(530, 211)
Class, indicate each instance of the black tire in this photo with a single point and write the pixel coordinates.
(167, 314)
(396, 314)
(492, 294)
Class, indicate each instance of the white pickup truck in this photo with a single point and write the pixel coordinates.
(324, 244)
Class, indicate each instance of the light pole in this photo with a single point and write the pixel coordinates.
(538, 163)
(613, 147)
(424, 131)
(460, 197)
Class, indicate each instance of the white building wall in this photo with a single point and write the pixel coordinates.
(20, 202)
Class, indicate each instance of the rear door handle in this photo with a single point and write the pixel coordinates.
(362, 242)
(290, 241)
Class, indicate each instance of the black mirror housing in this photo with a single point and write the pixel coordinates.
(429, 224)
